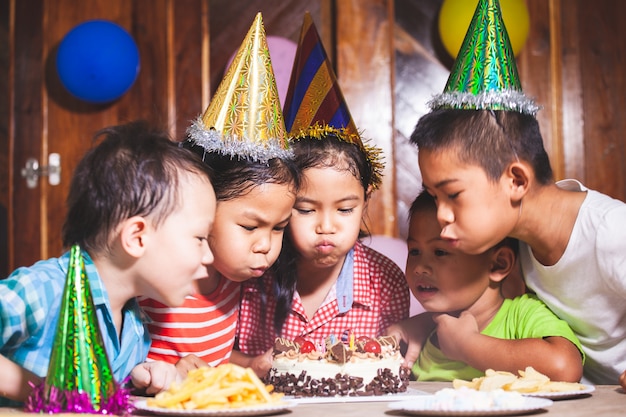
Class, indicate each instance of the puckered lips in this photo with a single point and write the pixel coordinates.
(325, 246)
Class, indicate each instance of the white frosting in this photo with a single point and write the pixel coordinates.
(364, 367)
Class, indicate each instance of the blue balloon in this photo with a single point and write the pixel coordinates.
(98, 61)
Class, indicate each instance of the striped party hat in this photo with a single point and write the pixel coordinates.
(315, 106)
(484, 75)
(244, 118)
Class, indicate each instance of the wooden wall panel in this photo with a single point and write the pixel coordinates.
(150, 24)
(26, 126)
(388, 58)
(365, 68)
(5, 100)
(421, 70)
(189, 30)
(571, 82)
(539, 81)
(573, 65)
(603, 63)
(539, 77)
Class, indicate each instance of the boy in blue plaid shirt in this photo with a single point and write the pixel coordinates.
(141, 209)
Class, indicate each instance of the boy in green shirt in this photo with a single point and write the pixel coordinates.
(477, 328)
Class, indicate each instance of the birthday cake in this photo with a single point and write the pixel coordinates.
(361, 367)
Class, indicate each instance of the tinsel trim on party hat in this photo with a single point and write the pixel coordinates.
(56, 401)
(79, 377)
(315, 106)
(484, 75)
(242, 148)
(490, 100)
(373, 154)
(244, 118)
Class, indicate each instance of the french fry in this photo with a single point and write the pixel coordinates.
(252, 377)
(225, 386)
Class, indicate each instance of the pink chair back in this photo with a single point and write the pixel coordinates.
(395, 249)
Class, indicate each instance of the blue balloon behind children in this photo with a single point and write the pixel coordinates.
(98, 61)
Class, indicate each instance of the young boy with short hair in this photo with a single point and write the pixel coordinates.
(572, 239)
(141, 208)
(482, 157)
(477, 327)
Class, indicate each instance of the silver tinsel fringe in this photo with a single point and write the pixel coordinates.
(243, 148)
(490, 100)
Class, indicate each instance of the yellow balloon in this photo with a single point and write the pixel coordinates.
(455, 17)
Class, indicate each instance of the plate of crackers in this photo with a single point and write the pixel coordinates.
(226, 390)
(529, 382)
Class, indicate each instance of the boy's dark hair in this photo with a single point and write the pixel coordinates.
(424, 201)
(491, 139)
(134, 171)
(233, 177)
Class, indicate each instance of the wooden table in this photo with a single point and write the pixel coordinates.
(606, 400)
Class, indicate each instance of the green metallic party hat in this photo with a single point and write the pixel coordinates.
(484, 75)
(79, 375)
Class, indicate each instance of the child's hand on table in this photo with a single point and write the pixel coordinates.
(262, 364)
(154, 377)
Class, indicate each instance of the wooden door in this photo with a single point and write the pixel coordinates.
(45, 118)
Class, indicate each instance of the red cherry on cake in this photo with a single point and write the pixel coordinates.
(299, 340)
(372, 346)
(308, 346)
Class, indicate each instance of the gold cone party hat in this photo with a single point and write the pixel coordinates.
(484, 75)
(315, 106)
(244, 118)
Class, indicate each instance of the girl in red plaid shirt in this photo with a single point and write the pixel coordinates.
(325, 282)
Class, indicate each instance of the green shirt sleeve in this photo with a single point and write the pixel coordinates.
(521, 318)
(528, 317)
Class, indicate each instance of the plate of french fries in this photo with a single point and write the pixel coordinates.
(529, 382)
(225, 390)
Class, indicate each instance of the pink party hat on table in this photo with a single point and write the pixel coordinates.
(79, 378)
